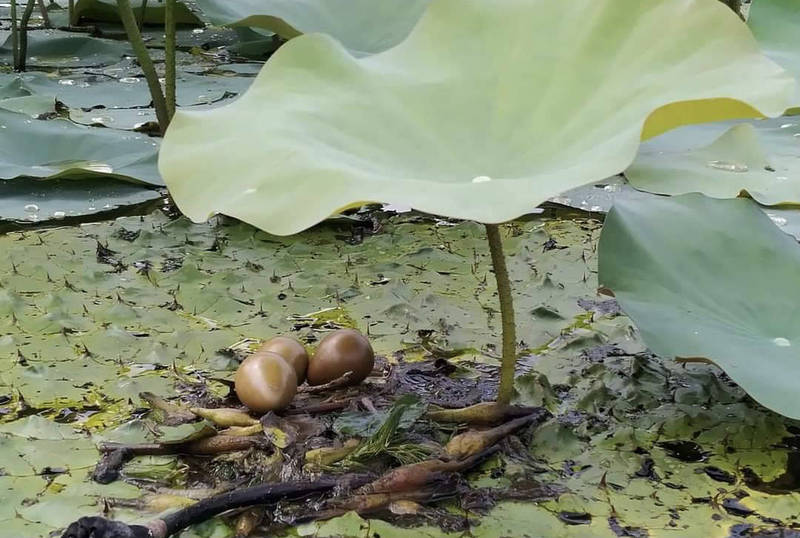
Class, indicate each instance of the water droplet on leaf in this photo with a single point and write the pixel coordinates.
(728, 166)
(779, 221)
(782, 342)
(481, 179)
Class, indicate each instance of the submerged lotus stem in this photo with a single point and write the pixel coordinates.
(14, 33)
(22, 55)
(169, 51)
(507, 365)
(149, 70)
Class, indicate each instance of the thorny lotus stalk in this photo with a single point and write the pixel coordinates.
(507, 365)
(142, 14)
(22, 56)
(169, 51)
(45, 14)
(14, 33)
(149, 70)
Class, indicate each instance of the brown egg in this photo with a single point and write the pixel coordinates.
(265, 382)
(342, 351)
(292, 350)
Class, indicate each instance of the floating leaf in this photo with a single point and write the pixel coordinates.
(62, 49)
(35, 201)
(61, 149)
(30, 105)
(775, 23)
(362, 26)
(488, 109)
(760, 159)
(98, 93)
(712, 280)
(107, 11)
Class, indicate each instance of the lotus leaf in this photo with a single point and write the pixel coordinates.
(61, 149)
(488, 109)
(106, 11)
(55, 199)
(62, 49)
(760, 159)
(775, 23)
(91, 91)
(363, 26)
(710, 280)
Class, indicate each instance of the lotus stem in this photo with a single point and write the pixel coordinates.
(142, 14)
(14, 33)
(169, 51)
(45, 14)
(149, 70)
(509, 359)
(71, 13)
(22, 55)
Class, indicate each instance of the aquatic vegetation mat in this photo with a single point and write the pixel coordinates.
(93, 316)
(420, 124)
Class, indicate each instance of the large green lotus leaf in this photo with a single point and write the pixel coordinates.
(363, 26)
(61, 49)
(761, 159)
(775, 24)
(62, 149)
(33, 201)
(93, 91)
(107, 11)
(488, 109)
(714, 280)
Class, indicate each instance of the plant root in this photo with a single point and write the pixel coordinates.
(343, 381)
(98, 527)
